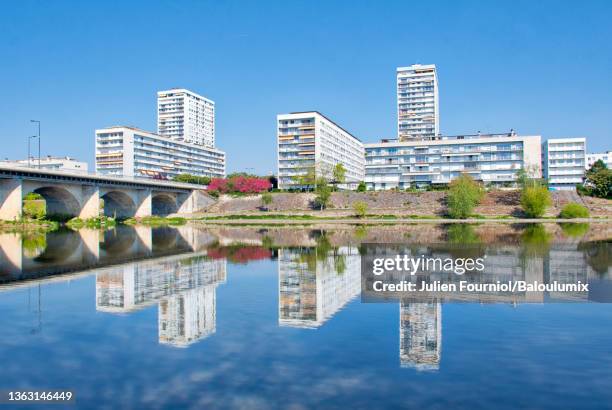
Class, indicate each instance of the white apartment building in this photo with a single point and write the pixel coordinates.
(492, 158)
(563, 162)
(418, 115)
(606, 157)
(309, 139)
(48, 162)
(133, 152)
(186, 116)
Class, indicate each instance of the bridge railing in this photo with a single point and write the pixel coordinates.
(84, 173)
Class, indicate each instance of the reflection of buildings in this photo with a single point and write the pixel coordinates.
(420, 335)
(312, 287)
(566, 264)
(184, 288)
(188, 316)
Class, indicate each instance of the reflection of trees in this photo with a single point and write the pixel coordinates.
(574, 230)
(597, 255)
(360, 232)
(321, 252)
(535, 243)
(463, 241)
(34, 244)
(535, 240)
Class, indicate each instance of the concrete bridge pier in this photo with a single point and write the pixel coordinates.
(144, 203)
(11, 194)
(90, 202)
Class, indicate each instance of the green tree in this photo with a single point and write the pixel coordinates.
(362, 187)
(192, 179)
(266, 200)
(360, 208)
(323, 191)
(598, 180)
(308, 179)
(339, 174)
(463, 196)
(534, 200)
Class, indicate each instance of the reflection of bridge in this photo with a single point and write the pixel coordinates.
(70, 251)
(76, 194)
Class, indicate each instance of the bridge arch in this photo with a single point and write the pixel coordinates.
(164, 204)
(59, 202)
(118, 204)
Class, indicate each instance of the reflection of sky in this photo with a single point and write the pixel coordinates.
(493, 355)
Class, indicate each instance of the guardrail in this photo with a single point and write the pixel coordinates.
(102, 177)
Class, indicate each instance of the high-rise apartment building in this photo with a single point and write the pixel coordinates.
(309, 140)
(132, 152)
(418, 115)
(563, 162)
(186, 116)
(493, 159)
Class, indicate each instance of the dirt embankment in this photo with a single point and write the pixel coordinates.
(495, 203)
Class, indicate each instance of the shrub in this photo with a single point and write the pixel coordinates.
(534, 200)
(360, 208)
(463, 196)
(574, 210)
(192, 179)
(34, 209)
(266, 199)
(362, 187)
(239, 184)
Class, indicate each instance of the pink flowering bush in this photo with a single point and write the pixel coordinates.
(239, 184)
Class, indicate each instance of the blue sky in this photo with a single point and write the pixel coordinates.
(540, 67)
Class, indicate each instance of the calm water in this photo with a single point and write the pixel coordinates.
(252, 317)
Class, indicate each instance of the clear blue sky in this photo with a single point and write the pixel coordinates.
(540, 67)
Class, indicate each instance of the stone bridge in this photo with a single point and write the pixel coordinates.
(73, 194)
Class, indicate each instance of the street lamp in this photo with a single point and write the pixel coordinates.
(38, 123)
(29, 155)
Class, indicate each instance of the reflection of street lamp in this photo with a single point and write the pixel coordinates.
(37, 122)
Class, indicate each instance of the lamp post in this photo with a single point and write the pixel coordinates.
(38, 123)
(30, 155)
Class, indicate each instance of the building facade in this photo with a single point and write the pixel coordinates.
(186, 116)
(418, 115)
(606, 157)
(308, 140)
(564, 162)
(493, 159)
(50, 163)
(133, 152)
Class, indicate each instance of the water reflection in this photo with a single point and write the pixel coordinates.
(183, 288)
(314, 283)
(420, 335)
(319, 270)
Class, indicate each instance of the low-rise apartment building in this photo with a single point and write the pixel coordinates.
(308, 140)
(606, 157)
(130, 151)
(49, 163)
(563, 162)
(491, 158)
